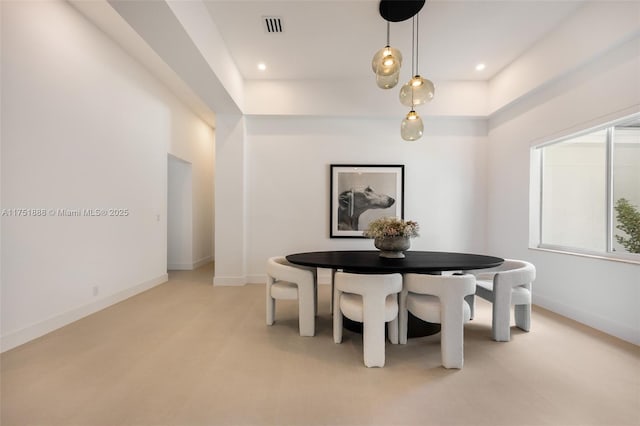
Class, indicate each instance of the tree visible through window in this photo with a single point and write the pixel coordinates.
(628, 218)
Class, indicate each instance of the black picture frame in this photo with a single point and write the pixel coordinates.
(359, 194)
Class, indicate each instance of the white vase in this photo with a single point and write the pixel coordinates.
(392, 247)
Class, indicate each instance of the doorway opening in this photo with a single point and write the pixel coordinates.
(179, 214)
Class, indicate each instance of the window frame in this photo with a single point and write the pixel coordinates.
(537, 163)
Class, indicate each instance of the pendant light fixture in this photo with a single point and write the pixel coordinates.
(386, 65)
(412, 127)
(418, 90)
(389, 81)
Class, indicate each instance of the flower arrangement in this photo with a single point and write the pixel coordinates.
(392, 227)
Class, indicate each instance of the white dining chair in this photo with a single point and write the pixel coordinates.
(286, 281)
(508, 285)
(371, 299)
(439, 299)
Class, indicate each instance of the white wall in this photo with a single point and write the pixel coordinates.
(288, 182)
(83, 126)
(601, 293)
(360, 98)
(231, 200)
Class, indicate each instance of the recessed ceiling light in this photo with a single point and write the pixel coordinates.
(480, 67)
(262, 66)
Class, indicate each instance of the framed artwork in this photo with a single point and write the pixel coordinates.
(362, 193)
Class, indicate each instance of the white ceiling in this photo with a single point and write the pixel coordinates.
(329, 39)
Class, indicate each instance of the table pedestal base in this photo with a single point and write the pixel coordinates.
(415, 327)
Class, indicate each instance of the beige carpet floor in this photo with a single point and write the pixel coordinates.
(188, 353)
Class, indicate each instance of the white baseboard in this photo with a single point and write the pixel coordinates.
(41, 328)
(179, 266)
(202, 262)
(188, 266)
(621, 331)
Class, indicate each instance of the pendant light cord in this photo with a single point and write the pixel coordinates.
(413, 45)
(414, 68)
(388, 24)
(417, 42)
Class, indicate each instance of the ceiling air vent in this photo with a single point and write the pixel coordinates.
(272, 24)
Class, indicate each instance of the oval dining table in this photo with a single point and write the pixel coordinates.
(420, 262)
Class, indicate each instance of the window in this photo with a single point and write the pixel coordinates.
(589, 192)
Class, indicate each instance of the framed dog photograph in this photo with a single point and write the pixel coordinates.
(362, 193)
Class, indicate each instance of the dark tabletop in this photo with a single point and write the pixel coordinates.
(415, 261)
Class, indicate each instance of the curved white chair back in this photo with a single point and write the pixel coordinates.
(443, 286)
(375, 304)
(278, 267)
(520, 272)
(508, 285)
(439, 299)
(288, 281)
